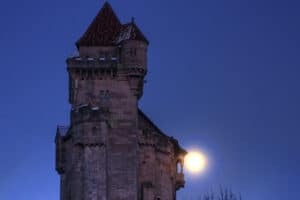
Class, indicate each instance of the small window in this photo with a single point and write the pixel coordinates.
(179, 167)
(102, 56)
(105, 96)
(132, 52)
(94, 131)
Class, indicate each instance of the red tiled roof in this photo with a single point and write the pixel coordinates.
(106, 29)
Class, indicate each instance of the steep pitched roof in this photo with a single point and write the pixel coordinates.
(103, 30)
(131, 31)
(106, 29)
(144, 117)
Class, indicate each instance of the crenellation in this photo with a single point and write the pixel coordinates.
(92, 63)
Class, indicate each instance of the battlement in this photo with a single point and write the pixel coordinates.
(102, 63)
(90, 62)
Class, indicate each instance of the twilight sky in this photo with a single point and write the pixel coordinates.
(223, 77)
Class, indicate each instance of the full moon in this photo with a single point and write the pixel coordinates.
(195, 162)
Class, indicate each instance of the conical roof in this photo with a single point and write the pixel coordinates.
(106, 30)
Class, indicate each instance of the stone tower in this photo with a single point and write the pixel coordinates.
(112, 150)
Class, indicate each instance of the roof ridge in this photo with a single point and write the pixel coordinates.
(107, 30)
(103, 28)
(152, 123)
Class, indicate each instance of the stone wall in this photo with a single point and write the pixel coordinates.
(112, 151)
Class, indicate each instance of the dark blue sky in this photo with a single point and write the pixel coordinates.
(223, 76)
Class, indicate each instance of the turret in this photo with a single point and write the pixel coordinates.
(134, 46)
(107, 50)
(134, 55)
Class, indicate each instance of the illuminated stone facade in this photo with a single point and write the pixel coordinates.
(112, 150)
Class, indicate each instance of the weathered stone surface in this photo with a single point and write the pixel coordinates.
(112, 150)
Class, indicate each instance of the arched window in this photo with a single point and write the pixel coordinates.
(179, 167)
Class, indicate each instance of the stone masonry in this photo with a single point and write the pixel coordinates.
(112, 150)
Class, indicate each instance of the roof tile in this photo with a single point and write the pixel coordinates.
(106, 30)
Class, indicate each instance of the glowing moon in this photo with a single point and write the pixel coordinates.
(195, 162)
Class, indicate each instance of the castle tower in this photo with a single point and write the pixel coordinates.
(112, 150)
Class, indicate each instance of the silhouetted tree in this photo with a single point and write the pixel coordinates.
(223, 194)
